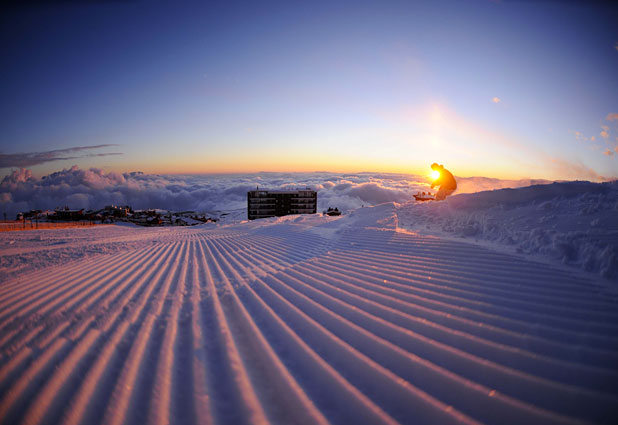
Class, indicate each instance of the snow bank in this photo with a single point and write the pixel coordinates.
(575, 223)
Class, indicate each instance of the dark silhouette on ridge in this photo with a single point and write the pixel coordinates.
(446, 181)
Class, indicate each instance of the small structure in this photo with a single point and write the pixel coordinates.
(34, 215)
(424, 196)
(332, 211)
(154, 221)
(277, 203)
(65, 214)
(117, 211)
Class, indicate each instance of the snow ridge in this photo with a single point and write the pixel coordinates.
(573, 223)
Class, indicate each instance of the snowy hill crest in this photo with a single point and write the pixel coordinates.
(574, 223)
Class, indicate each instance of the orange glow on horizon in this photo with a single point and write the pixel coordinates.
(305, 162)
(242, 167)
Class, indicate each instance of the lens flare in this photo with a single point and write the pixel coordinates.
(434, 175)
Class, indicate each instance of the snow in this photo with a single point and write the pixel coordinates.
(497, 307)
(573, 223)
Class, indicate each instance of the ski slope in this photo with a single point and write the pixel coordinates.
(298, 320)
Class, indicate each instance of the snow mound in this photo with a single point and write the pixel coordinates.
(574, 223)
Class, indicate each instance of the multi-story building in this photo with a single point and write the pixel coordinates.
(275, 203)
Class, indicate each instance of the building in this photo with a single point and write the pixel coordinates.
(276, 203)
(65, 214)
(117, 211)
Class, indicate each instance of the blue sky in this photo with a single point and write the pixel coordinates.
(502, 89)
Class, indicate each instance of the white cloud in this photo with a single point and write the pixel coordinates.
(94, 188)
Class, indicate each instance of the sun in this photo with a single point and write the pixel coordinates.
(434, 175)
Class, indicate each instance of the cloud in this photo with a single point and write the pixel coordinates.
(580, 136)
(573, 170)
(18, 176)
(479, 184)
(608, 152)
(616, 149)
(376, 193)
(612, 116)
(94, 188)
(604, 132)
(37, 158)
(496, 100)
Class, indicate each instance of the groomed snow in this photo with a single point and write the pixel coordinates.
(310, 319)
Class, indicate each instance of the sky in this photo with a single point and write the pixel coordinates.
(503, 89)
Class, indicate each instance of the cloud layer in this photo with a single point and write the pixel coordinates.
(94, 188)
(36, 158)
